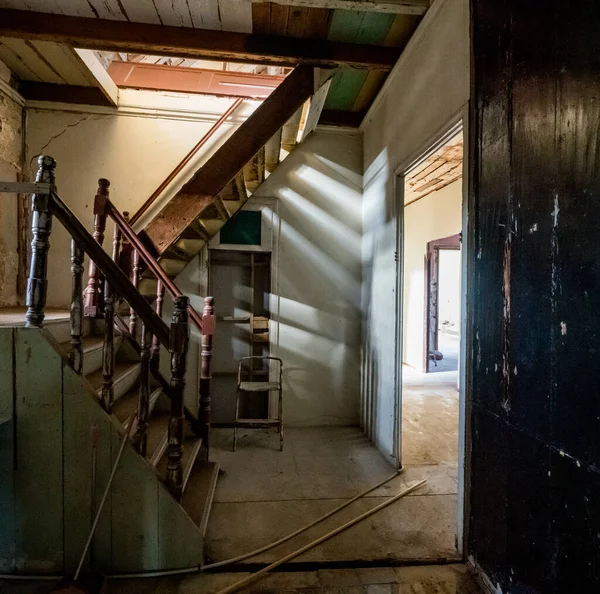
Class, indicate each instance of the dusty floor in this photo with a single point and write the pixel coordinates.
(426, 579)
(264, 494)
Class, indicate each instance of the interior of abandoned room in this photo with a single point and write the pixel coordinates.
(299, 296)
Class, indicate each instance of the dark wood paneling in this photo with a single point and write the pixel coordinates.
(535, 286)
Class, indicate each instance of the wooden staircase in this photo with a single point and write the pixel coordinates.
(234, 172)
(127, 378)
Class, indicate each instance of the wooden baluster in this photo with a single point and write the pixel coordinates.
(178, 348)
(155, 351)
(93, 294)
(208, 328)
(41, 226)
(135, 279)
(76, 356)
(140, 438)
(108, 350)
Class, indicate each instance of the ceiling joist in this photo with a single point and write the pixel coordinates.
(102, 34)
(414, 7)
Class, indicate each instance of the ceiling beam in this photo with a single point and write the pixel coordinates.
(414, 7)
(184, 42)
(38, 91)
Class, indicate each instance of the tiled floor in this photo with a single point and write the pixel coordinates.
(426, 579)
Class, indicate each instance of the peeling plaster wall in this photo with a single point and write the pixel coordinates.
(11, 162)
(428, 87)
(135, 148)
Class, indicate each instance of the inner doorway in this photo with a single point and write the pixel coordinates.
(442, 310)
(430, 323)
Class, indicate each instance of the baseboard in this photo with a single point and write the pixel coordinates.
(482, 579)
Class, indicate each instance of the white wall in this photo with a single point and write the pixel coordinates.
(135, 146)
(11, 163)
(319, 190)
(427, 89)
(437, 215)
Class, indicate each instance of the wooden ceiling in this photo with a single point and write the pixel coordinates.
(437, 171)
(388, 25)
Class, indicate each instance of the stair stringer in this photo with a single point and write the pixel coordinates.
(142, 527)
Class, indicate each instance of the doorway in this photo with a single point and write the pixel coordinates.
(430, 330)
(240, 282)
(442, 308)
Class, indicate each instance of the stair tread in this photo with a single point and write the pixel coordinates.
(122, 368)
(198, 496)
(157, 428)
(190, 452)
(125, 406)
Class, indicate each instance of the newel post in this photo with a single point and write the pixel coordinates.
(41, 226)
(178, 348)
(93, 296)
(208, 329)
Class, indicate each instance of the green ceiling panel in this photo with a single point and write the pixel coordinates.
(345, 87)
(354, 27)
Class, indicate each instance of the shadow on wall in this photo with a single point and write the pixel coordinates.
(319, 187)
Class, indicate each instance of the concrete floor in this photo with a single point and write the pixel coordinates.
(264, 494)
(439, 579)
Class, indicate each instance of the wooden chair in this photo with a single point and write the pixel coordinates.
(251, 386)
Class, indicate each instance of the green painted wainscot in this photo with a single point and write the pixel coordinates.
(46, 413)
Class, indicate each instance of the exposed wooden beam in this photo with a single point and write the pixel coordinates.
(415, 7)
(230, 158)
(97, 74)
(347, 119)
(35, 91)
(184, 42)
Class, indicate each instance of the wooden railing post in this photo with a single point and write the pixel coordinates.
(135, 279)
(140, 438)
(41, 226)
(208, 327)
(76, 356)
(93, 295)
(178, 348)
(155, 351)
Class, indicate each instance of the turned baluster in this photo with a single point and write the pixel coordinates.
(76, 356)
(140, 438)
(135, 279)
(178, 348)
(208, 329)
(155, 351)
(93, 294)
(41, 226)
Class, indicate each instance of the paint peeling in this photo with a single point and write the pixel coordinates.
(533, 228)
(555, 211)
(563, 328)
(506, 261)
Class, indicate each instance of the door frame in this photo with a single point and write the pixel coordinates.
(459, 122)
(432, 265)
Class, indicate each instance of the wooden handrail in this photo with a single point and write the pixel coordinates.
(150, 260)
(136, 217)
(109, 269)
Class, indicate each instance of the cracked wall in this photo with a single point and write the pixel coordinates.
(135, 148)
(11, 161)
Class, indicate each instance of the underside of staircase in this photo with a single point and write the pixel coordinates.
(219, 189)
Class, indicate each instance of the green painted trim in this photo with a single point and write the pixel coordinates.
(345, 88)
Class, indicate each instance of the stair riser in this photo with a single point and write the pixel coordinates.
(92, 359)
(124, 383)
(60, 330)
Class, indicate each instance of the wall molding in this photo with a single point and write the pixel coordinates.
(12, 93)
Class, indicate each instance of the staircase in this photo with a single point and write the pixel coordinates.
(220, 188)
(104, 369)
